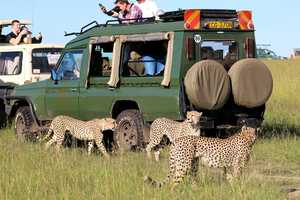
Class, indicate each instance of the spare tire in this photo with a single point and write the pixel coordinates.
(207, 85)
(251, 81)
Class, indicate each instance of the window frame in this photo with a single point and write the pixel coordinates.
(54, 67)
(121, 64)
(199, 52)
(91, 57)
(58, 65)
(21, 62)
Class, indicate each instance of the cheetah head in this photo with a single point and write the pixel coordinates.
(106, 123)
(109, 124)
(193, 117)
(249, 133)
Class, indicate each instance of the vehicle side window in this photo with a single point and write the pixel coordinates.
(101, 59)
(69, 66)
(10, 63)
(147, 58)
(44, 59)
(225, 52)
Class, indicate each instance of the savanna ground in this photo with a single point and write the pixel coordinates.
(27, 171)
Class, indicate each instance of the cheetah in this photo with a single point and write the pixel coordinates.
(172, 129)
(90, 131)
(230, 154)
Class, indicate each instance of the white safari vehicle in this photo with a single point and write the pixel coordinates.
(24, 63)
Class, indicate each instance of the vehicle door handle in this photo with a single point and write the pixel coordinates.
(74, 90)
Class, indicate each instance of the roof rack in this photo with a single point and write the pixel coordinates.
(171, 16)
(205, 13)
(137, 21)
(7, 22)
(109, 22)
(83, 29)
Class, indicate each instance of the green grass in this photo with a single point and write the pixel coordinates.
(28, 171)
(283, 108)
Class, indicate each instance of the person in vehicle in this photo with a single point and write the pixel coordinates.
(135, 64)
(20, 34)
(129, 12)
(149, 8)
(111, 12)
(231, 56)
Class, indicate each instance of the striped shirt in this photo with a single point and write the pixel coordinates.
(134, 14)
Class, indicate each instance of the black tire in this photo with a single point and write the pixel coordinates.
(129, 132)
(23, 123)
(3, 117)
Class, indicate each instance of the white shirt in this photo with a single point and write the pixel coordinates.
(149, 8)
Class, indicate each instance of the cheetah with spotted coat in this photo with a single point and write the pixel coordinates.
(89, 131)
(172, 129)
(230, 154)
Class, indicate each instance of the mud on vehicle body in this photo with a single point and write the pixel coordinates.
(189, 60)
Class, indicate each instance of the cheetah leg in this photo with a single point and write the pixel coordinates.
(181, 170)
(59, 137)
(59, 144)
(237, 169)
(150, 146)
(227, 175)
(156, 155)
(101, 146)
(195, 167)
(148, 150)
(49, 143)
(170, 174)
(48, 134)
(90, 147)
(240, 164)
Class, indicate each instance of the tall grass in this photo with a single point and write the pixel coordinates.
(283, 108)
(28, 171)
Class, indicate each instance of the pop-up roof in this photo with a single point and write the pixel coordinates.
(7, 22)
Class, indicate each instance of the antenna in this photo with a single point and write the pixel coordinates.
(32, 14)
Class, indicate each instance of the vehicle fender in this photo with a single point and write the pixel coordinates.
(12, 103)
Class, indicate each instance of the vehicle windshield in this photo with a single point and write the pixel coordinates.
(44, 59)
(225, 52)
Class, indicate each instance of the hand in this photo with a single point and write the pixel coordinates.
(24, 32)
(103, 9)
(39, 36)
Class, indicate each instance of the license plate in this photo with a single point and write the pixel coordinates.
(220, 25)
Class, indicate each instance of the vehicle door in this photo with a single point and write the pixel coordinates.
(96, 97)
(145, 62)
(63, 89)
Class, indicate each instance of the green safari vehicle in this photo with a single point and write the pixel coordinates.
(196, 59)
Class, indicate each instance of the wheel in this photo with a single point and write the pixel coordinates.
(3, 117)
(129, 132)
(23, 123)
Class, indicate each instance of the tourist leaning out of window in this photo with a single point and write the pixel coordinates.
(20, 34)
(149, 8)
(129, 12)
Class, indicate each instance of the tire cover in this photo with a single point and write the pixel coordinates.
(252, 82)
(207, 85)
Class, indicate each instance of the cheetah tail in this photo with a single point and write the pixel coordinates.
(154, 183)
